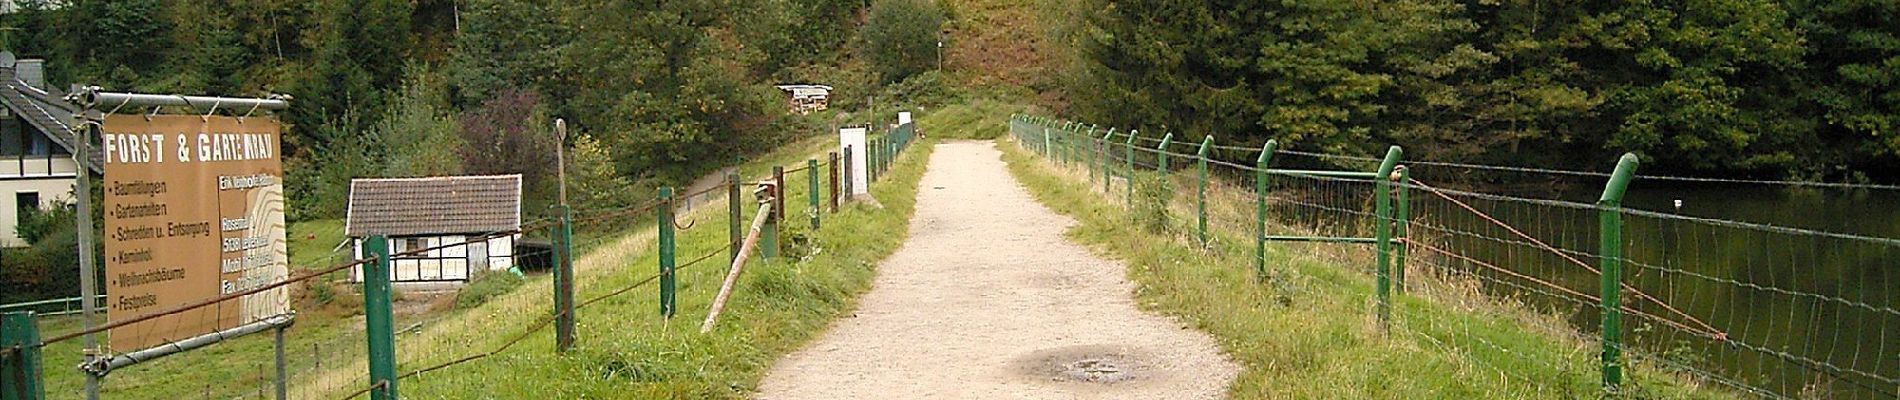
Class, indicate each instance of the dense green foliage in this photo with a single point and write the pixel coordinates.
(653, 93)
(901, 37)
(663, 91)
(1798, 89)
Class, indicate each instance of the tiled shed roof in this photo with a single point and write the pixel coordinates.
(435, 205)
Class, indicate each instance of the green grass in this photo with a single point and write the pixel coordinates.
(230, 369)
(980, 119)
(311, 242)
(1310, 333)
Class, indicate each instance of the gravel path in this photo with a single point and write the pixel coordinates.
(987, 300)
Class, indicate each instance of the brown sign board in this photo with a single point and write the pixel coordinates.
(194, 210)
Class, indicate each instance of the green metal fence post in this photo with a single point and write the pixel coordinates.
(768, 235)
(20, 360)
(811, 169)
(735, 214)
(378, 324)
(1089, 142)
(1129, 158)
(667, 282)
(1108, 175)
(1045, 142)
(1200, 199)
(1063, 141)
(1382, 197)
(1403, 244)
(1610, 245)
(564, 282)
(1161, 160)
(1260, 211)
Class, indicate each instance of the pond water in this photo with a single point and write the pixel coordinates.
(1719, 285)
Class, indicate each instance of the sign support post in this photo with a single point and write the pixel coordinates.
(182, 182)
(378, 324)
(20, 369)
(88, 275)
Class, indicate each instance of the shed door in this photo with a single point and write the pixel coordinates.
(477, 257)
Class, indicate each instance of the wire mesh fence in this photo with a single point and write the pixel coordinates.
(1754, 309)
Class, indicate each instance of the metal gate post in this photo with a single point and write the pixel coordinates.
(1610, 249)
(20, 360)
(1382, 198)
(378, 324)
(1260, 211)
(667, 280)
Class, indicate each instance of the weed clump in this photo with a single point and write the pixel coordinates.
(486, 285)
(1150, 205)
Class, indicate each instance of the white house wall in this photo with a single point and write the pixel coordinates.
(51, 190)
(444, 264)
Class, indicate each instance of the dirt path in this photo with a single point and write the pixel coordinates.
(988, 300)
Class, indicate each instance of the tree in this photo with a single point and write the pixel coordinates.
(359, 51)
(900, 37)
(510, 134)
(505, 44)
(420, 133)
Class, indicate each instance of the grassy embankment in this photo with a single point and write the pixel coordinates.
(1310, 333)
(625, 350)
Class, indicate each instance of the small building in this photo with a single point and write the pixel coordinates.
(806, 99)
(424, 213)
(36, 145)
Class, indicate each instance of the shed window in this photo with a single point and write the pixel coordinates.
(413, 244)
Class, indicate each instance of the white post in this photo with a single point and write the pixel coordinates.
(853, 137)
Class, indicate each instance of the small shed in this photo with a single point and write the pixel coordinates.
(806, 99)
(425, 213)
